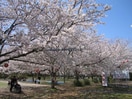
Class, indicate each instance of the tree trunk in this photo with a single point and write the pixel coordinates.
(32, 76)
(64, 77)
(77, 75)
(53, 80)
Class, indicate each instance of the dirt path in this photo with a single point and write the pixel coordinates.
(28, 91)
(26, 84)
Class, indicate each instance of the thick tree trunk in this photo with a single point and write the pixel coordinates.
(77, 75)
(53, 80)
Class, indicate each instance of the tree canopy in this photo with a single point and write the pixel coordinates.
(58, 33)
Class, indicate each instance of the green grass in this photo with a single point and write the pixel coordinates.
(3, 85)
(117, 96)
(68, 91)
(106, 96)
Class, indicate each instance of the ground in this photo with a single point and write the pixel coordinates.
(38, 91)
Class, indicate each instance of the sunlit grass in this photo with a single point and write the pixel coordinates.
(3, 85)
(116, 96)
(68, 91)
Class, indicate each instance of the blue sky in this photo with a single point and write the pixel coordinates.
(118, 23)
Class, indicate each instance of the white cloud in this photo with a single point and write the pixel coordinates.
(131, 26)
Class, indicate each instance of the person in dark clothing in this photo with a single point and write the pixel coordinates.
(13, 83)
(39, 78)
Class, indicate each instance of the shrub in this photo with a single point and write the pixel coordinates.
(110, 79)
(2, 75)
(86, 82)
(100, 79)
(95, 80)
(77, 83)
(19, 76)
(22, 76)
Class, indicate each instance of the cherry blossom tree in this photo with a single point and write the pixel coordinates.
(28, 25)
(56, 35)
(120, 56)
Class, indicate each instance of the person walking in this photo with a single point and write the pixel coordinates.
(13, 82)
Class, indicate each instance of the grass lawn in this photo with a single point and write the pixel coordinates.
(117, 96)
(3, 85)
(68, 91)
